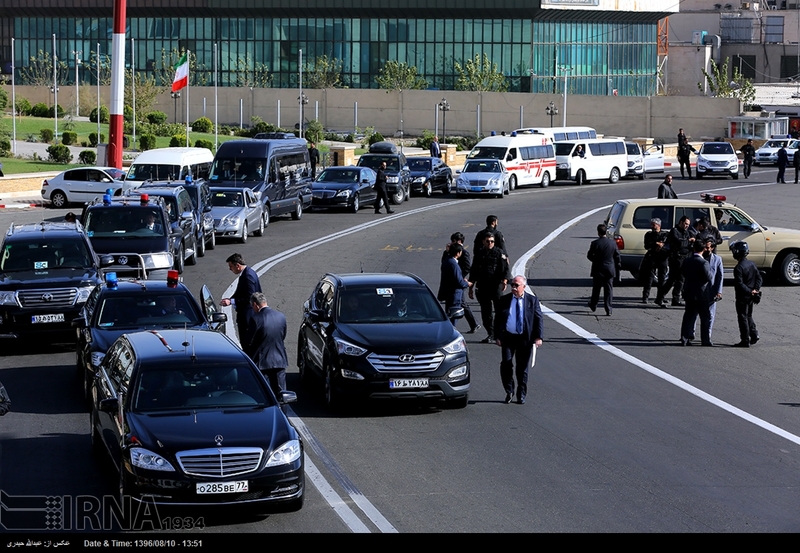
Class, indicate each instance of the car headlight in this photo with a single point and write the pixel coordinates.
(419, 180)
(343, 194)
(146, 459)
(458, 373)
(8, 298)
(393, 180)
(97, 358)
(456, 346)
(83, 294)
(285, 454)
(346, 348)
(231, 221)
(563, 166)
(352, 375)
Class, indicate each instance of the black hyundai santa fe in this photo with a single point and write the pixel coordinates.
(381, 336)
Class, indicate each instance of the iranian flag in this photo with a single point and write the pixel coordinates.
(181, 74)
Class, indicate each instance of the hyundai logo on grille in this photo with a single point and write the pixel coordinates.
(47, 297)
(218, 439)
(406, 358)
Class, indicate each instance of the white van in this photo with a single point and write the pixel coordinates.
(582, 161)
(171, 164)
(561, 134)
(528, 158)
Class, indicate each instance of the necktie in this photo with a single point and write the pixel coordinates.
(519, 316)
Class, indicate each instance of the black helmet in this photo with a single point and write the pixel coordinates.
(740, 249)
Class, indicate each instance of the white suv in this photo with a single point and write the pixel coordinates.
(717, 158)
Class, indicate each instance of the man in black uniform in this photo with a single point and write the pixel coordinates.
(684, 149)
(747, 283)
(380, 188)
(313, 157)
(654, 264)
(604, 255)
(706, 231)
(749, 155)
(465, 264)
(783, 161)
(679, 242)
(489, 274)
(491, 228)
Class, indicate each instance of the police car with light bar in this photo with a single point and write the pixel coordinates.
(773, 250)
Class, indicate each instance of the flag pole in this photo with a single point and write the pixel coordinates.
(188, 57)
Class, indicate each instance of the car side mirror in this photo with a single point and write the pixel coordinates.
(319, 315)
(109, 405)
(455, 313)
(219, 317)
(287, 397)
(106, 260)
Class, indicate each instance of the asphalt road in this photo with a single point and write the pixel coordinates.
(623, 431)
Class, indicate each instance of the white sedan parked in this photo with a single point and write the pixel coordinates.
(83, 184)
(768, 152)
(641, 161)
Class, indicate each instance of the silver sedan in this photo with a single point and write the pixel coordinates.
(237, 212)
(485, 177)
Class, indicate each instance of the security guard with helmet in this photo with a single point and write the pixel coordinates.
(747, 283)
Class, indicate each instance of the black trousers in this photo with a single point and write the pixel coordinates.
(652, 269)
(781, 174)
(276, 379)
(675, 280)
(488, 301)
(747, 166)
(606, 284)
(383, 196)
(744, 315)
(515, 350)
(685, 162)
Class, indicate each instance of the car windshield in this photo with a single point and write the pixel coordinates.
(388, 305)
(564, 148)
(374, 162)
(492, 152)
(233, 198)
(239, 169)
(43, 256)
(775, 143)
(127, 221)
(153, 171)
(198, 386)
(419, 164)
(339, 175)
(717, 148)
(633, 149)
(147, 310)
(482, 167)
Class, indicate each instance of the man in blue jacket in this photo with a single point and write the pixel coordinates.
(266, 343)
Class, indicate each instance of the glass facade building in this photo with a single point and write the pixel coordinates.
(599, 53)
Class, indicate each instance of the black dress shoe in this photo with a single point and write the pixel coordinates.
(644, 299)
(521, 400)
(708, 344)
(686, 342)
(754, 339)
(677, 303)
(608, 312)
(660, 302)
(390, 211)
(473, 330)
(508, 399)
(377, 211)
(488, 340)
(742, 345)
(592, 307)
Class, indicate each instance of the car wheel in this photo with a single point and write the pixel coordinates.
(267, 215)
(58, 199)
(398, 197)
(735, 176)
(245, 231)
(545, 180)
(699, 175)
(331, 397)
(201, 246)
(213, 242)
(512, 182)
(641, 177)
(193, 258)
(297, 214)
(408, 193)
(356, 204)
(260, 230)
(179, 260)
(580, 178)
(448, 185)
(426, 190)
(790, 269)
(613, 178)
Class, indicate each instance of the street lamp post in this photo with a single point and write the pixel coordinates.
(566, 71)
(77, 91)
(551, 110)
(54, 88)
(303, 101)
(444, 105)
(175, 96)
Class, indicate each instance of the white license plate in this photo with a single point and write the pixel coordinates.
(223, 487)
(477, 189)
(396, 383)
(57, 318)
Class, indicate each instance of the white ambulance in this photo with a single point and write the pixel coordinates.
(528, 158)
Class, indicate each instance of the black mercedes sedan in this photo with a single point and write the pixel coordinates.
(381, 336)
(188, 419)
(349, 187)
(429, 174)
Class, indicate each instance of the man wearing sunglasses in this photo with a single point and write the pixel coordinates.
(489, 275)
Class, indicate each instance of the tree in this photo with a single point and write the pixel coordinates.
(39, 71)
(323, 72)
(480, 75)
(400, 76)
(247, 73)
(147, 89)
(718, 84)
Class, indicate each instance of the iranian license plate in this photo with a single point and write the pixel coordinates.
(397, 383)
(477, 189)
(223, 487)
(56, 318)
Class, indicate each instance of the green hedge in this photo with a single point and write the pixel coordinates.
(59, 153)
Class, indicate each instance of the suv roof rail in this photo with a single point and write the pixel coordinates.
(274, 136)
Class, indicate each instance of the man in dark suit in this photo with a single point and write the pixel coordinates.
(783, 161)
(265, 346)
(465, 264)
(436, 151)
(247, 285)
(380, 187)
(697, 277)
(452, 282)
(604, 255)
(519, 328)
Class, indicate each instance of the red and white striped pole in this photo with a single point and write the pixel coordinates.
(116, 120)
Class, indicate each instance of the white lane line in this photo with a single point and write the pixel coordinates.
(519, 269)
(339, 507)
